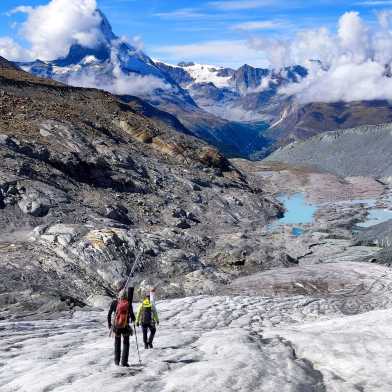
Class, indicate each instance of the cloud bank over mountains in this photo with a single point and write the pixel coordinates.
(353, 64)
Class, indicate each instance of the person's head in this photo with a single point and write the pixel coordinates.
(123, 294)
(147, 296)
(119, 285)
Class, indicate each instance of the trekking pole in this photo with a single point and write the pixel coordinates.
(137, 344)
(135, 263)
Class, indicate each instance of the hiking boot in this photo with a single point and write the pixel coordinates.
(150, 345)
(117, 363)
(125, 365)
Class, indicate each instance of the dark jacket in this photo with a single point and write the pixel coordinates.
(113, 307)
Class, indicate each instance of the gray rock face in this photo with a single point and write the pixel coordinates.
(362, 151)
(247, 77)
(5, 64)
(178, 74)
(206, 94)
(118, 213)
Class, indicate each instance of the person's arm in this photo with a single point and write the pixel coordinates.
(112, 309)
(131, 314)
(152, 296)
(155, 314)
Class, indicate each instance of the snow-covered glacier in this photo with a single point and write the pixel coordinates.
(219, 343)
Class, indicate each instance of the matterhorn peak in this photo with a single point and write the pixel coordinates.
(106, 28)
(101, 51)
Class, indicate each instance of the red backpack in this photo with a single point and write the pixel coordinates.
(121, 319)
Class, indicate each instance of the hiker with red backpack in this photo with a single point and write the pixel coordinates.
(147, 317)
(123, 314)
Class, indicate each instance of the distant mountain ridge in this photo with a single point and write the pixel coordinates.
(243, 111)
(245, 94)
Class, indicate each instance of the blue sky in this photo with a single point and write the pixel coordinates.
(209, 31)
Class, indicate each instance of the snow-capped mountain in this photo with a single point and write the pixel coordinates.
(204, 73)
(109, 49)
(114, 65)
(245, 94)
(244, 80)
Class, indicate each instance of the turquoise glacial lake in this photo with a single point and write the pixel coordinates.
(298, 210)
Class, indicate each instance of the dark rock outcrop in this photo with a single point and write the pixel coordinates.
(5, 64)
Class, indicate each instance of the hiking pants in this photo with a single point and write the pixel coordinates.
(117, 346)
(145, 328)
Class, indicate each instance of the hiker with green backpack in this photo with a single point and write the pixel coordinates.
(123, 314)
(147, 317)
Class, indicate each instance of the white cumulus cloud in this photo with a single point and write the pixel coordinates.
(352, 64)
(11, 50)
(51, 29)
(121, 84)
